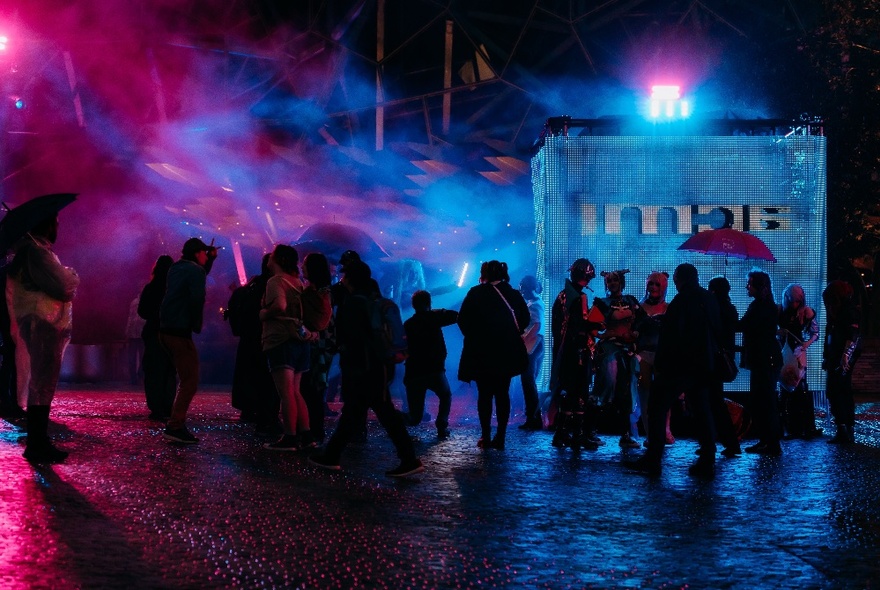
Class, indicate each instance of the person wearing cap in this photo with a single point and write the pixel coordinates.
(181, 315)
(39, 292)
(573, 350)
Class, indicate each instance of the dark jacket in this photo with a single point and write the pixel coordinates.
(758, 326)
(685, 348)
(493, 344)
(182, 308)
(424, 338)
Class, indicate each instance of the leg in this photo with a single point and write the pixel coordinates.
(186, 360)
(484, 411)
(416, 389)
(502, 410)
(444, 395)
(283, 378)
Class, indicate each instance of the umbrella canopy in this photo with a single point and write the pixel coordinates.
(728, 242)
(332, 239)
(22, 219)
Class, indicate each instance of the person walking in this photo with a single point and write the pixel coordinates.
(364, 364)
(492, 319)
(426, 363)
(180, 315)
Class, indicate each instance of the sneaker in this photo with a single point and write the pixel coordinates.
(324, 462)
(286, 443)
(732, 451)
(406, 468)
(497, 443)
(443, 433)
(179, 435)
(627, 442)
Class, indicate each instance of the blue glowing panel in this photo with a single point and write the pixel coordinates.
(629, 202)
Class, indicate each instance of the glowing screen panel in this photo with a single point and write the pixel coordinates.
(629, 202)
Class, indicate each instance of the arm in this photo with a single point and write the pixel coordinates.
(274, 303)
(49, 276)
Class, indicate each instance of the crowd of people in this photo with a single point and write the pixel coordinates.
(619, 362)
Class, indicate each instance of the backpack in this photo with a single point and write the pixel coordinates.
(388, 339)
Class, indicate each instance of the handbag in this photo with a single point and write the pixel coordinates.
(725, 365)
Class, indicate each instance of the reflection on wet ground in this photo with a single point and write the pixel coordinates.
(127, 510)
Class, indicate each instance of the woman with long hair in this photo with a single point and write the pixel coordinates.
(492, 319)
(798, 329)
(160, 378)
(285, 344)
(763, 358)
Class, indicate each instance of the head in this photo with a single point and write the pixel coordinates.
(358, 276)
(720, 287)
(161, 266)
(264, 265)
(196, 250)
(316, 270)
(48, 229)
(529, 287)
(656, 286)
(685, 276)
(582, 271)
(793, 297)
(494, 270)
(421, 301)
(835, 295)
(286, 258)
(347, 257)
(615, 280)
(759, 286)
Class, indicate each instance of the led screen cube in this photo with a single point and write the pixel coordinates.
(629, 202)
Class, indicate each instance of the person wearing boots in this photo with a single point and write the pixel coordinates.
(841, 350)
(39, 292)
(573, 351)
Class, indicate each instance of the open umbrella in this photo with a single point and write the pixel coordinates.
(20, 220)
(728, 242)
(332, 239)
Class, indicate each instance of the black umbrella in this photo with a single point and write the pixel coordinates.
(22, 219)
(332, 239)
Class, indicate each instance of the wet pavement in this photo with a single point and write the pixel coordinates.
(128, 510)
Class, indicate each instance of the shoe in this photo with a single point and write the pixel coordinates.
(324, 462)
(561, 440)
(588, 444)
(286, 443)
(756, 448)
(705, 469)
(406, 468)
(497, 444)
(670, 440)
(594, 438)
(627, 442)
(179, 435)
(443, 433)
(44, 453)
(532, 425)
(643, 465)
(732, 451)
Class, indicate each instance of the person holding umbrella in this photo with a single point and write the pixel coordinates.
(39, 293)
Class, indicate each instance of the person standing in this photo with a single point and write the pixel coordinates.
(841, 350)
(684, 363)
(160, 380)
(364, 365)
(654, 305)
(426, 363)
(492, 318)
(180, 315)
(534, 339)
(574, 346)
(724, 427)
(798, 330)
(39, 293)
(318, 319)
(763, 358)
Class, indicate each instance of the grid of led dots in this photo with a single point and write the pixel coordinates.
(629, 202)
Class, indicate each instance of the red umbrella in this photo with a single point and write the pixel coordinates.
(728, 242)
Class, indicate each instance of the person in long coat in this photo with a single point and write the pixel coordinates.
(492, 319)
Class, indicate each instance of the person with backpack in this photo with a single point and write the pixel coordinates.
(370, 338)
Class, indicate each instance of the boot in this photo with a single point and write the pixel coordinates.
(39, 448)
(561, 438)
